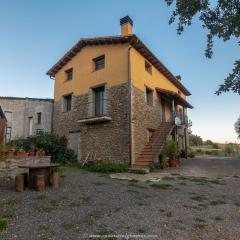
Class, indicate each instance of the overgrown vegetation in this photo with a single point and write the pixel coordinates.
(52, 144)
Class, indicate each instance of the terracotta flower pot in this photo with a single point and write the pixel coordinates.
(10, 154)
(173, 163)
(21, 154)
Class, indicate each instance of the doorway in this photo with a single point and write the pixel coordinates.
(73, 142)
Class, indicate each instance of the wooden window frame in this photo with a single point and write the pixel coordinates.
(39, 117)
(148, 67)
(69, 72)
(66, 105)
(149, 100)
(100, 66)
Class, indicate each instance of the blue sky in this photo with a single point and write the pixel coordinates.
(35, 34)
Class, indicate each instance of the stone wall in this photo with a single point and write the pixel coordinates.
(18, 111)
(108, 140)
(9, 167)
(144, 117)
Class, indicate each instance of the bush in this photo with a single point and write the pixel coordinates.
(52, 144)
(171, 149)
(191, 153)
(108, 167)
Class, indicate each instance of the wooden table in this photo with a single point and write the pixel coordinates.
(39, 169)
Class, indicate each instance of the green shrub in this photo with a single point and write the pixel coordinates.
(191, 153)
(3, 224)
(52, 144)
(108, 167)
(171, 149)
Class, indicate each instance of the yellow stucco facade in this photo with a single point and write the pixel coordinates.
(114, 73)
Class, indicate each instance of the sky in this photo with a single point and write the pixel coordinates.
(35, 34)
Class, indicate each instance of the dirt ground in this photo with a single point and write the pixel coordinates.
(199, 200)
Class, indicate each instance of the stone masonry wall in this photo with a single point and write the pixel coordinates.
(108, 140)
(144, 117)
(3, 124)
(9, 167)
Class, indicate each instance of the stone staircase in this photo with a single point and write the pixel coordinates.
(155, 146)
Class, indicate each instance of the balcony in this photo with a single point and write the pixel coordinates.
(97, 113)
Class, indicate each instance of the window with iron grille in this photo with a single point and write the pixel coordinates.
(99, 62)
(8, 135)
(99, 104)
(39, 118)
(67, 103)
(149, 96)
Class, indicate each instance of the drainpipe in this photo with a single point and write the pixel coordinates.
(130, 105)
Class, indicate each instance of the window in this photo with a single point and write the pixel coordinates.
(69, 74)
(39, 118)
(8, 135)
(149, 96)
(30, 126)
(99, 62)
(148, 67)
(99, 104)
(67, 103)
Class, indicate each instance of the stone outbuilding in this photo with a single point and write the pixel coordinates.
(26, 116)
(3, 124)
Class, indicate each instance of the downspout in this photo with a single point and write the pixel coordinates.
(130, 105)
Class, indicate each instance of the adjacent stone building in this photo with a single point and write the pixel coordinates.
(26, 116)
(115, 101)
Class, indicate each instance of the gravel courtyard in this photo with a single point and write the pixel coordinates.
(88, 204)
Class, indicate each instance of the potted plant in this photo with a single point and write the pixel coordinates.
(3, 151)
(172, 151)
(21, 153)
(164, 162)
(11, 152)
(40, 152)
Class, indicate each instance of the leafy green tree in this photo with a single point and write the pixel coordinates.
(221, 20)
(195, 140)
(237, 127)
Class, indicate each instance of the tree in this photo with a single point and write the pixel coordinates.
(221, 20)
(195, 140)
(237, 127)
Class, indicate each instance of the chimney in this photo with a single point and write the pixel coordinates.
(179, 78)
(126, 25)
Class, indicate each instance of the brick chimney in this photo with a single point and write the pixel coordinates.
(126, 25)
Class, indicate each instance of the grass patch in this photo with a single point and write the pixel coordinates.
(183, 183)
(72, 226)
(189, 206)
(3, 224)
(138, 171)
(43, 227)
(92, 217)
(182, 178)
(10, 202)
(163, 186)
(237, 204)
(167, 178)
(141, 231)
(217, 202)
(105, 234)
(41, 197)
(44, 209)
(202, 205)
(200, 225)
(175, 174)
(200, 220)
(199, 198)
(217, 218)
(9, 215)
(132, 191)
(108, 167)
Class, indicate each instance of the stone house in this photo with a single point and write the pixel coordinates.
(116, 101)
(3, 124)
(26, 116)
